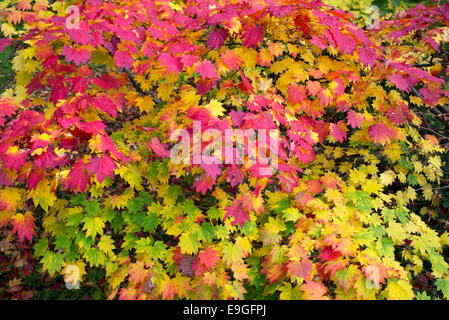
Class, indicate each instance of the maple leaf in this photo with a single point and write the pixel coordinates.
(160, 149)
(209, 258)
(314, 186)
(123, 59)
(296, 94)
(4, 42)
(301, 269)
(238, 212)
(138, 273)
(245, 86)
(355, 119)
(79, 176)
(314, 290)
(338, 131)
(127, 294)
(204, 184)
(400, 290)
(380, 133)
(81, 35)
(102, 167)
(168, 289)
(206, 70)
(217, 38)
(14, 158)
(24, 226)
(253, 35)
(59, 92)
(400, 82)
(240, 270)
(185, 264)
(7, 108)
(313, 87)
(93, 226)
(216, 108)
(170, 62)
(231, 59)
(367, 56)
(77, 55)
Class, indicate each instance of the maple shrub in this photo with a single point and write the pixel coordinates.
(99, 100)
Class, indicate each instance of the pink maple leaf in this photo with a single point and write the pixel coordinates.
(206, 69)
(380, 133)
(238, 212)
(296, 93)
(355, 119)
(123, 59)
(400, 82)
(76, 55)
(338, 131)
(170, 62)
(160, 149)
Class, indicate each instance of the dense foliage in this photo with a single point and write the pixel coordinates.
(88, 177)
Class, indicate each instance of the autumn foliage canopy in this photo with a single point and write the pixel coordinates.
(88, 178)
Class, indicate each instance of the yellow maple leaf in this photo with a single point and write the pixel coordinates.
(400, 290)
(387, 177)
(216, 108)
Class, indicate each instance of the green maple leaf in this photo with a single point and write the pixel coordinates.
(40, 247)
(62, 242)
(149, 222)
(143, 245)
(385, 247)
(95, 257)
(92, 207)
(361, 199)
(443, 286)
(135, 205)
(93, 226)
(52, 262)
(206, 233)
(157, 250)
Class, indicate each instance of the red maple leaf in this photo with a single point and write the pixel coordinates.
(253, 35)
(217, 38)
(76, 55)
(209, 258)
(7, 108)
(381, 133)
(239, 213)
(301, 269)
(23, 225)
(79, 177)
(102, 167)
